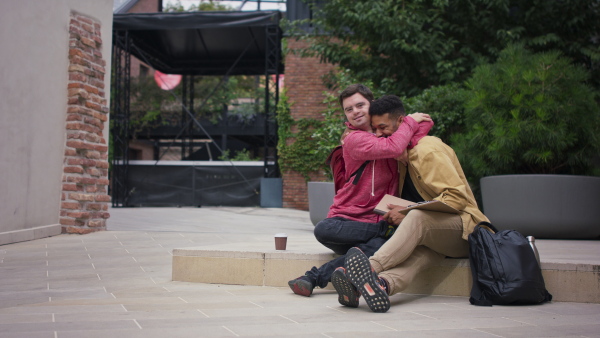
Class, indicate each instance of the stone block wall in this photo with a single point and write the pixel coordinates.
(304, 85)
(85, 199)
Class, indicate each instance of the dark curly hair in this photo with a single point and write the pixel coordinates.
(387, 104)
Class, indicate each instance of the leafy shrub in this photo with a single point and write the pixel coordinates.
(242, 155)
(529, 114)
(295, 145)
(445, 104)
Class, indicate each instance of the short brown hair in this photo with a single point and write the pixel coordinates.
(353, 89)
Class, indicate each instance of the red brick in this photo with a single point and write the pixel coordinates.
(77, 77)
(102, 198)
(94, 138)
(93, 206)
(67, 221)
(88, 42)
(74, 161)
(74, 117)
(74, 178)
(101, 116)
(97, 223)
(76, 135)
(69, 187)
(78, 230)
(78, 170)
(79, 214)
(81, 197)
(93, 121)
(102, 164)
(100, 148)
(78, 91)
(89, 180)
(103, 181)
(90, 89)
(94, 172)
(93, 106)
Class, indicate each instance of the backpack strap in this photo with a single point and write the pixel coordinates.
(488, 225)
(358, 173)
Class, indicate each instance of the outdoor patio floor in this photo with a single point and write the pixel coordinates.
(117, 283)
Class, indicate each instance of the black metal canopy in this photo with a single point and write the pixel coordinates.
(201, 43)
(190, 44)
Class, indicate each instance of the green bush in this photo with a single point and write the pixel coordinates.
(529, 114)
(242, 155)
(445, 104)
(295, 145)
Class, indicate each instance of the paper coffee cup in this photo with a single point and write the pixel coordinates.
(280, 241)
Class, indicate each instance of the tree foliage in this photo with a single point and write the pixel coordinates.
(445, 104)
(529, 114)
(407, 46)
(203, 5)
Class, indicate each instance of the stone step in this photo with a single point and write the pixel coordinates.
(566, 281)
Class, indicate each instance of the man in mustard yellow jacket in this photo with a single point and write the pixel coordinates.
(429, 171)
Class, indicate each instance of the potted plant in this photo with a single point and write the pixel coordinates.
(533, 139)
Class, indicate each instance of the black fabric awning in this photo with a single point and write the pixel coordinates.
(202, 43)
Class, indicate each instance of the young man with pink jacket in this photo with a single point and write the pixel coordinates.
(370, 172)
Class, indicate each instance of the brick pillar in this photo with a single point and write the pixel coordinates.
(85, 200)
(304, 85)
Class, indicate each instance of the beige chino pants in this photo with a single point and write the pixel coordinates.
(421, 240)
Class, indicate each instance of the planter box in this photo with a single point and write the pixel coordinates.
(271, 192)
(320, 198)
(544, 206)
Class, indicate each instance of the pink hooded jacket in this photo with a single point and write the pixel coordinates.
(380, 176)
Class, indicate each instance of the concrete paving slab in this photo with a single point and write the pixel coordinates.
(50, 287)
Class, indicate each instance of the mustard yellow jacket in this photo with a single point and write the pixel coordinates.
(437, 174)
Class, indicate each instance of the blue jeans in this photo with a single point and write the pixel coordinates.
(340, 234)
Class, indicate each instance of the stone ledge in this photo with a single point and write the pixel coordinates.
(567, 282)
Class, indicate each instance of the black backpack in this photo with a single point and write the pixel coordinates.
(504, 268)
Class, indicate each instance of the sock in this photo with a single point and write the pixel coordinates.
(385, 285)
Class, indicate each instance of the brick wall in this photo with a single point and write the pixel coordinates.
(145, 6)
(304, 85)
(84, 202)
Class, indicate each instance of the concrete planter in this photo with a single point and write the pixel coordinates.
(544, 206)
(320, 198)
(271, 192)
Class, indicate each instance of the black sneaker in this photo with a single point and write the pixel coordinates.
(361, 274)
(302, 286)
(347, 293)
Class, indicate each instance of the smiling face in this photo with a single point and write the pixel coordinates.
(356, 108)
(384, 125)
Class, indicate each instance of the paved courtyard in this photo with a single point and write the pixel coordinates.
(117, 283)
